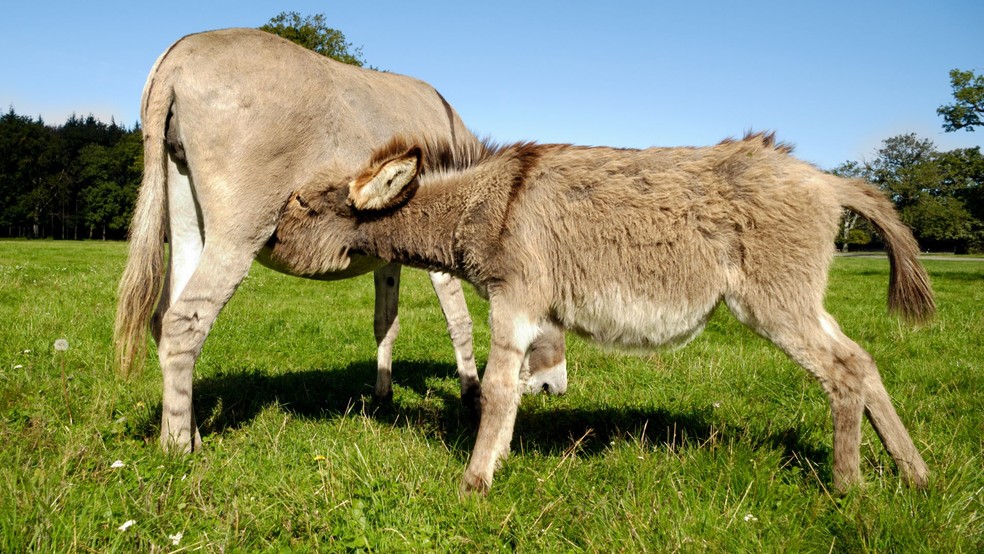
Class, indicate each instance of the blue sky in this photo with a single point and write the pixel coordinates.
(835, 78)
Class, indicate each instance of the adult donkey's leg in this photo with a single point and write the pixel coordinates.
(179, 430)
(185, 240)
(184, 328)
(386, 326)
(452, 300)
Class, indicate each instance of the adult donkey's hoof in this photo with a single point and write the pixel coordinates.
(472, 484)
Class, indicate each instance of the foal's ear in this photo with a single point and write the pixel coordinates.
(392, 183)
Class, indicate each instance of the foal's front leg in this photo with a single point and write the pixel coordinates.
(512, 333)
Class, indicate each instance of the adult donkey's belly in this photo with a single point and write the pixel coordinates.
(357, 265)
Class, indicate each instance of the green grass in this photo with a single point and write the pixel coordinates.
(723, 446)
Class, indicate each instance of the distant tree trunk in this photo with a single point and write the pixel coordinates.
(849, 221)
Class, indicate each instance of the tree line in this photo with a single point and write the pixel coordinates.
(79, 180)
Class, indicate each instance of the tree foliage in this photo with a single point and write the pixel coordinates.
(76, 180)
(313, 33)
(968, 93)
(938, 194)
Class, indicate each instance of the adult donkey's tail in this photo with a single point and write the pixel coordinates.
(909, 293)
(140, 285)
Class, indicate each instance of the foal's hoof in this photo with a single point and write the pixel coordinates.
(844, 483)
(916, 474)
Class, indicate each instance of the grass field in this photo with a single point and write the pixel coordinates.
(723, 446)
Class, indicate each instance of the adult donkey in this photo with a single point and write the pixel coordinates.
(630, 248)
(233, 122)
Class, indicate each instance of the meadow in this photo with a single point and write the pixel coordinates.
(723, 446)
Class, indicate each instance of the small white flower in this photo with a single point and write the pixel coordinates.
(126, 524)
(176, 538)
(61, 345)
(18, 366)
(117, 464)
(26, 352)
(716, 404)
(750, 517)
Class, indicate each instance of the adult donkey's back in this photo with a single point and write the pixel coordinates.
(233, 122)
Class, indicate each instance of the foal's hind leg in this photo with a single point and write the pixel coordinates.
(839, 365)
(848, 375)
(890, 429)
(879, 409)
(850, 378)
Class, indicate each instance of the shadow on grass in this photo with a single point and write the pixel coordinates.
(957, 275)
(590, 431)
(232, 400)
(951, 272)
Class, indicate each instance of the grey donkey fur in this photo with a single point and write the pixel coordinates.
(631, 248)
(234, 121)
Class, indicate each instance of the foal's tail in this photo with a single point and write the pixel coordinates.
(140, 285)
(909, 292)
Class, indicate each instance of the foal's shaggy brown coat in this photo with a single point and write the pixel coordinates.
(631, 248)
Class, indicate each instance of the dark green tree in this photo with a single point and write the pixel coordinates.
(77, 134)
(29, 160)
(108, 180)
(968, 93)
(962, 171)
(49, 177)
(929, 199)
(313, 33)
(903, 168)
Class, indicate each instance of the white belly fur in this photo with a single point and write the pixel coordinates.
(633, 321)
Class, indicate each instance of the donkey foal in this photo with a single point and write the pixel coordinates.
(630, 248)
